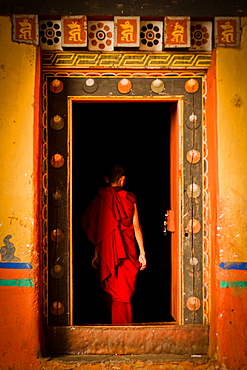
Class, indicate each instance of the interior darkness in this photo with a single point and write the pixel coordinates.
(136, 135)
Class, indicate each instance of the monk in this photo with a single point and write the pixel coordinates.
(111, 223)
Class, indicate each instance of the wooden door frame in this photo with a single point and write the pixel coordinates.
(188, 309)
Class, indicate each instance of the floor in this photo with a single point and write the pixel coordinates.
(128, 362)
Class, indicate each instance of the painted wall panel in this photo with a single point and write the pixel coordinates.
(19, 305)
(229, 315)
(17, 73)
(232, 137)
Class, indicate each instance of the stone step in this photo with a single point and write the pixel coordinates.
(128, 362)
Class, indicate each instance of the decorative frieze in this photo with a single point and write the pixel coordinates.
(136, 60)
(121, 32)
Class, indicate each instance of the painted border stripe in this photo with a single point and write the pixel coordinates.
(15, 265)
(17, 282)
(233, 265)
(233, 284)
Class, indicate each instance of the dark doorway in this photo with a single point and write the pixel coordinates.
(136, 135)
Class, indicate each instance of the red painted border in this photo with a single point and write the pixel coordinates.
(211, 124)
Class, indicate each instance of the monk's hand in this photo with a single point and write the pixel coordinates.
(142, 260)
(95, 262)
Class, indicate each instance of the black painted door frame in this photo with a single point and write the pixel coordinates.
(59, 93)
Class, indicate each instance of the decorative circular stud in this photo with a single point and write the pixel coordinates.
(57, 195)
(191, 85)
(124, 86)
(193, 190)
(193, 261)
(90, 85)
(157, 86)
(57, 308)
(193, 118)
(57, 122)
(57, 271)
(57, 160)
(194, 226)
(57, 235)
(193, 156)
(193, 123)
(56, 86)
(193, 303)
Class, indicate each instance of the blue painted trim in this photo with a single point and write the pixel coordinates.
(15, 265)
(233, 265)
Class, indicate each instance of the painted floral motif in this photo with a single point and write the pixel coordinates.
(201, 35)
(151, 35)
(50, 35)
(100, 35)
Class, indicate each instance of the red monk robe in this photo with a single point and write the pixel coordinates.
(108, 223)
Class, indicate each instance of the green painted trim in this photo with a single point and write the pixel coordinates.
(17, 282)
(233, 284)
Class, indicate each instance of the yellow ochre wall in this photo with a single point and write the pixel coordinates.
(232, 150)
(19, 305)
(229, 233)
(17, 73)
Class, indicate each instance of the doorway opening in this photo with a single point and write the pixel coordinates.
(137, 136)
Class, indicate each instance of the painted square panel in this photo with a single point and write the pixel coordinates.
(74, 31)
(101, 35)
(25, 28)
(201, 36)
(177, 32)
(127, 31)
(227, 31)
(151, 35)
(50, 33)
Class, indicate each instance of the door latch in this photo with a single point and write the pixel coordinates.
(169, 222)
(165, 224)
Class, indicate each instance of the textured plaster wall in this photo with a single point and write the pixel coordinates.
(17, 73)
(19, 324)
(230, 294)
(232, 139)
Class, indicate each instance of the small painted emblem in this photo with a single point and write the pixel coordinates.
(177, 32)
(25, 29)
(227, 31)
(127, 31)
(8, 251)
(74, 31)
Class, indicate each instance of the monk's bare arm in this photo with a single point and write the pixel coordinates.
(139, 238)
(95, 260)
